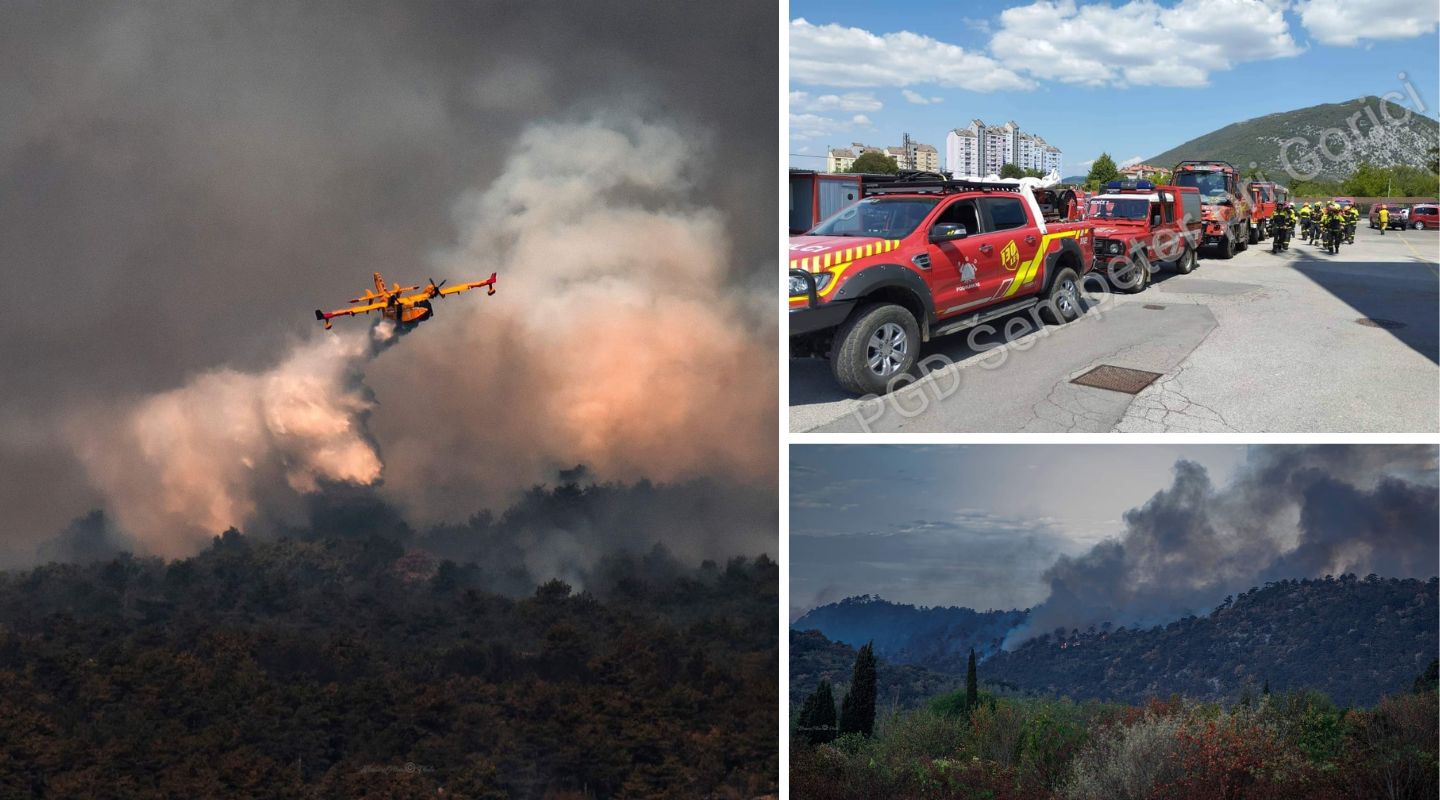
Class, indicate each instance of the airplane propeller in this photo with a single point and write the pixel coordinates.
(435, 287)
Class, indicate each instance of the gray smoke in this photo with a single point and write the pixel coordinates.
(1292, 511)
(182, 184)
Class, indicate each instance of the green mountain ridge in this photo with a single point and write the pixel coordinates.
(1258, 142)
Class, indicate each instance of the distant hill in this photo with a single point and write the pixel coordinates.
(939, 638)
(1074, 179)
(1353, 639)
(1259, 140)
(814, 658)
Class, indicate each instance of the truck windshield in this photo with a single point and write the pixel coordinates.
(1124, 208)
(883, 217)
(1210, 184)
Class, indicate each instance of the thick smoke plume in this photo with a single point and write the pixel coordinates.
(181, 185)
(178, 467)
(1291, 512)
(617, 339)
(613, 341)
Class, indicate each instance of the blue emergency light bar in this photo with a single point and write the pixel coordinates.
(1129, 185)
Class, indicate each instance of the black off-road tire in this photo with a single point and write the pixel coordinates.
(850, 354)
(1242, 243)
(1185, 264)
(1226, 247)
(1062, 301)
(1142, 280)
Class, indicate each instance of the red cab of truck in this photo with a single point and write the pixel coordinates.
(1263, 202)
(1139, 226)
(924, 257)
(1225, 207)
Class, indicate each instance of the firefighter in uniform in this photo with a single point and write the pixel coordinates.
(1384, 219)
(1305, 219)
(1335, 224)
(1352, 218)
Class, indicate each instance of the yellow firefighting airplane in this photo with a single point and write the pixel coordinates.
(407, 310)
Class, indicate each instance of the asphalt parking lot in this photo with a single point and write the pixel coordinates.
(1260, 343)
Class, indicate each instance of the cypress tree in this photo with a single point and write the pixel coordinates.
(806, 722)
(857, 710)
(1266, 691)
(972, 685)
(822, 722)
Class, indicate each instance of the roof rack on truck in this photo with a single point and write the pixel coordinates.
(934, 183)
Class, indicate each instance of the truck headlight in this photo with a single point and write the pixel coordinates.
(1114, 248)
(798, 287)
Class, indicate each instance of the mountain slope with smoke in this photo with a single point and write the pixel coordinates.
(1292, 511)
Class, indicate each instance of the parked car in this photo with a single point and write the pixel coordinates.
(1423, 216)
(1397, 215)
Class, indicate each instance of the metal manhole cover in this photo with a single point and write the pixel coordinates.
(1117, 379)
(1375, 322)
(1153, 307)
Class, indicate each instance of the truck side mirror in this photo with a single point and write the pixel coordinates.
(947, 231)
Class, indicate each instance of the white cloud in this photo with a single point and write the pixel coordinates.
(834, 55)
(1346, 22)
(850, 101)
(818, 126)
(1129, 162)
(920, 99)
(1140, 43)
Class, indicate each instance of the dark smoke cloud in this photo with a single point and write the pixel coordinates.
(181, 184)
(1292, 511)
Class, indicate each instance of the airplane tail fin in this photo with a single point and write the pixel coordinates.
(320, 315)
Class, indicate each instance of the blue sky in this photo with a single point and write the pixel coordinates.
(1162, 73)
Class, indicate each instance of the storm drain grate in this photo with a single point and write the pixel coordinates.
(1117, 379)
(1376, 322)
(1153, 307)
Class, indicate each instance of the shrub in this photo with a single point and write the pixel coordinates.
(1127, 762)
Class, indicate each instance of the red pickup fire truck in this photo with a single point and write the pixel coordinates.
(1225, 206)
(1139, 226)
(923, 257)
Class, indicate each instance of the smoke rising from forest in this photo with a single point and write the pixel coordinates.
(199, 179)
(593, 351)
(1292, 511)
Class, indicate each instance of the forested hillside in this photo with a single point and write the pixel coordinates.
(814, 658)
(1389, 135)
(351, 668)
(939, 638)
(1353, 639)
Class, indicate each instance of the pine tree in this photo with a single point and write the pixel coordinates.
(972, 685)
(1266, 691)
(857, 710)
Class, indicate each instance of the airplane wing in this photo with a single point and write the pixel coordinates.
(465, 287)
(326, 316)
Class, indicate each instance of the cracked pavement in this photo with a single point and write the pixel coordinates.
(1260, 343)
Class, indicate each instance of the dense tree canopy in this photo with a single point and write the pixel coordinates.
(351, 668)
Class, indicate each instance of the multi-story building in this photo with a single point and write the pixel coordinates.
(909, 156)
(979, 150)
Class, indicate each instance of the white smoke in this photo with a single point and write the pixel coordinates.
(615, 339)
(179, 467)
